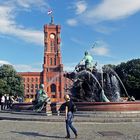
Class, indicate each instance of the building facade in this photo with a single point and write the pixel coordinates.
(52, 73)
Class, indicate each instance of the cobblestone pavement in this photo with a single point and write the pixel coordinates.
(34, 130)
(101, 117)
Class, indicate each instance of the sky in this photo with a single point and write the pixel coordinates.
(108, 29)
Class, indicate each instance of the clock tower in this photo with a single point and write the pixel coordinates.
(52, 66)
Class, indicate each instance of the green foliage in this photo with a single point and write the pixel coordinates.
(10, 82)
(129, 73)
(110, 66)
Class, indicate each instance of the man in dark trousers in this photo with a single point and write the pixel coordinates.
(69, 116)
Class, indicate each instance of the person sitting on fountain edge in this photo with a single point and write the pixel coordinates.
(88, 61)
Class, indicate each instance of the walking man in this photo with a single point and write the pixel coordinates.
(69, 105)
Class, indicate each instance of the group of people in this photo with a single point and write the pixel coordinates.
(5, 102)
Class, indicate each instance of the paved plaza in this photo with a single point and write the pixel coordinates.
(35, 130)
(91, 126)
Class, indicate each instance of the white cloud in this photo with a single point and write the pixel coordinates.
(77, 41)
(26, 68)
(81, 7)
(104, 29)
(4, 62)
(72, 22)
(28, 4)
(69, 67)
(23, 67)
(100, 48)
(101, 51)
(112, 10)
(105, 10)
(9, 26)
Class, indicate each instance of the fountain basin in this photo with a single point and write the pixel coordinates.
(108, 106)
(89, 106)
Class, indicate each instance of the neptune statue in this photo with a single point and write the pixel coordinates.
(93, 85)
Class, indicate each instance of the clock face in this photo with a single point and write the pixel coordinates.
(52, 36)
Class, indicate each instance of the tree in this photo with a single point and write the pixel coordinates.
(129, 72)
(10, 82)
(110, 66)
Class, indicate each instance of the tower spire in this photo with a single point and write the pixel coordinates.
(52, 20)
(50, 13)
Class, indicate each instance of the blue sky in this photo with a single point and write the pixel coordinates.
(113, 24)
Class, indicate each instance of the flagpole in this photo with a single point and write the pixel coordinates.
(50, 13)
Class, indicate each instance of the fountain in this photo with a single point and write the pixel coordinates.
(99, 90)
(44, 106)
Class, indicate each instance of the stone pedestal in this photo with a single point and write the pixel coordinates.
(58, 105)
(48, 109)
(56, 108)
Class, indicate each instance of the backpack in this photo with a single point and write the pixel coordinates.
(73, 108)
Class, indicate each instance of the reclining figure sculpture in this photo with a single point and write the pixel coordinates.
(41, 99)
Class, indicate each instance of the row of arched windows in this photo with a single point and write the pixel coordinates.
(52, 61)
(31, 79)
(53, 79)
(32, 88)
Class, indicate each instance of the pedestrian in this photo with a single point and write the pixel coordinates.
(7, 101)
(11, 101)
(69, 116)
(3, 102)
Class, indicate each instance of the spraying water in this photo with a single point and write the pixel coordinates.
(119, 80)
(99, 85)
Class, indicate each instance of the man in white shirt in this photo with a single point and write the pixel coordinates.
(3, 103)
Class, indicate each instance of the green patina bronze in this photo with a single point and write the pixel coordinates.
(88, 61)
(41, 98)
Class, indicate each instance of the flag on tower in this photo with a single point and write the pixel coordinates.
(49, 12)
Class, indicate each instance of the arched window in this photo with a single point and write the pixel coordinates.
(52, 46)
(36, 86)
(53, 88)
(36, 79)
(28, 79)
(32, 86)
(51, 62)
(52, 43)
(32, 79)
(54, 61)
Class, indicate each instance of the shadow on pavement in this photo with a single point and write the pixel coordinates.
(35, 134)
